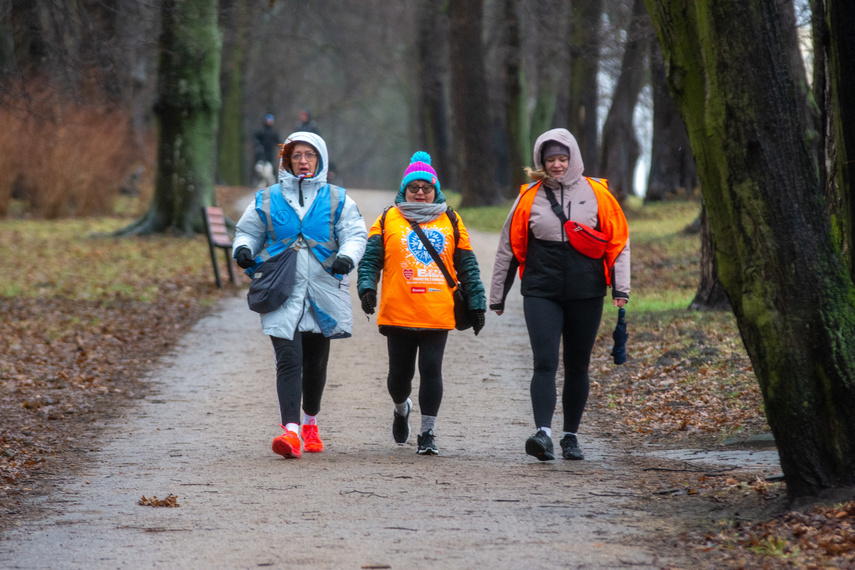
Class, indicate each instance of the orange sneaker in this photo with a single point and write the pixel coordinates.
(287, 444)
(311, 439)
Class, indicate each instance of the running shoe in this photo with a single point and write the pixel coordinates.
(570, 448)
(427, 445)
(311, 441)
(401, 425)
(540, 446)
(287, 444)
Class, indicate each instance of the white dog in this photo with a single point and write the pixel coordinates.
(265, 174)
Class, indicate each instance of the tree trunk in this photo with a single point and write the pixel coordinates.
(431, 55)
(840, 55)
(471, 115)
(620, 149)
(187, 109)
(585, 31)
(231, 159)
(710, 295)
(733, 74)
(672, 168)
(514, 95)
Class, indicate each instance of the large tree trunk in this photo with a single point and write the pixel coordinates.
(733, 73)
(514, 94)
(231, 159)
(471, 121)
(585, 26)
(620, 148)
(187, 109)
(431, 57)
(840, 56)
(710, 295)
(672, 168)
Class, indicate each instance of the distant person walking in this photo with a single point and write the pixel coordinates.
(416, 305)
(265, 142)
(306, 123)
(563, 284)
(326, 229)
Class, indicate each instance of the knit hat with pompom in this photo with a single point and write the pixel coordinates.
(420, 169)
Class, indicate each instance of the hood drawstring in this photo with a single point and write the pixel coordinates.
(300, 188)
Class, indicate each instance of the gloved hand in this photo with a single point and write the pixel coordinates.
(342, 265)
(244, 258)
(478, 320)
(369, 301)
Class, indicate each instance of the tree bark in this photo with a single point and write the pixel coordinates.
(187, 109)
(514, 94)
(840, 56)
(732, 69)
(231, 159)
(585, 31)
(474, 158)
(710, 295)
(672, 168)
(620, 148)
(431, 57)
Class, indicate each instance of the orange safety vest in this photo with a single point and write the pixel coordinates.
(414, 292)
(612, 222)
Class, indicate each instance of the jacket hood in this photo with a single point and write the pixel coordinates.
(316, 141)
(563, 136)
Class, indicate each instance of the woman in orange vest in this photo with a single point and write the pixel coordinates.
(563, 285)
(416, 303)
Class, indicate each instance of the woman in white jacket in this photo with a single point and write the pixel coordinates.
(327, 231)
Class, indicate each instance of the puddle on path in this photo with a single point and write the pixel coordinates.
(765, 459)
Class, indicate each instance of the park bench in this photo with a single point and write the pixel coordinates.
(218, 237)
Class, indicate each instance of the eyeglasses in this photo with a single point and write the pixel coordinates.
(297, 157)
(415, 189)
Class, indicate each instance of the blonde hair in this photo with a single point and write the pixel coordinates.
(539, 174)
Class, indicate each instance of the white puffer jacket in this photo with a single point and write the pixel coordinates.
(313, 285)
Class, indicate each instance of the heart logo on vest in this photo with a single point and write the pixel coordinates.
(417, 248)
(408, 273)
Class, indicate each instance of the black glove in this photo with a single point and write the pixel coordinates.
(342, 265)
(244, 258)
(478, 320)
(369, 301)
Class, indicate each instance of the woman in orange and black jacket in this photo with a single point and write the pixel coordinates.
(563, 289)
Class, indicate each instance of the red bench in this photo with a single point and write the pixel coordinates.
(218, 237)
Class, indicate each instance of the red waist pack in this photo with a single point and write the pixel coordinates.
(586, 240)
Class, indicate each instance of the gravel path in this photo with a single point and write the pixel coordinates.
(205, 435)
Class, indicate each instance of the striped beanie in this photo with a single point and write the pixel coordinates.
(420, 169)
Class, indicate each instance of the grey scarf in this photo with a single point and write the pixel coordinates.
(421, 212)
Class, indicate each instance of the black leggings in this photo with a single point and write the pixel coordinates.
(547, 321)
(301, 373)
(403, 346)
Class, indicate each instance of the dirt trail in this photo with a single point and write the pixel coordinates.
(365, 502)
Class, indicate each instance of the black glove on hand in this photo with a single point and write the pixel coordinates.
(244, 258)
(478, 320)
(342, 265)
(369, 301)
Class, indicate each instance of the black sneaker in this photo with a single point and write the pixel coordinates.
(570, 448)
(540, 446)
(401, 425)
(427, 445)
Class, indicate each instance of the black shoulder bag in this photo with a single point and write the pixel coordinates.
(462, 320)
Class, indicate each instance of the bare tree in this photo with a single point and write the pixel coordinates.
(187, 109)
(672, 167)
(583, 102)
(620, 147)
(432, 77)
(471, 122)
